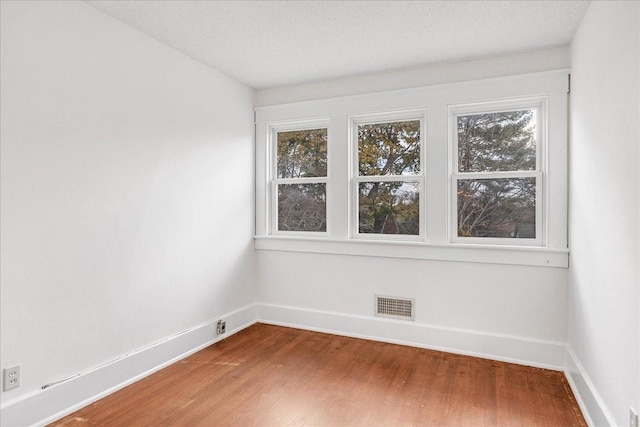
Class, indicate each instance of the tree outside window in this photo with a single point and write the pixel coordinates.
(389, 177)
(496, 178)
(301, 171)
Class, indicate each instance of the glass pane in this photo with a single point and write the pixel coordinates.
(497, 141)
(302, 207)
(389, 208)
(389, 148)
(302, 153)
(504, 208)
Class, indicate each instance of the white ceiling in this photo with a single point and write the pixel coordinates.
(273, 43)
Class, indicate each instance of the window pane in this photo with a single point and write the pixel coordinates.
(497, 141)
(302, 153)
(302, 207)
(504, 207)
(389, 148)
(389, 208)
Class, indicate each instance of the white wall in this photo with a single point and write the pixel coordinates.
(519, 301)
(604, 284)
(127, 191)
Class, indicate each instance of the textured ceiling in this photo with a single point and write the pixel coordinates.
(272, 43)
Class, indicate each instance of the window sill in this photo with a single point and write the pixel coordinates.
(512, 255)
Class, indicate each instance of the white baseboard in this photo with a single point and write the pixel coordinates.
(55, 402)
(524, 351)
(46, 406)
(591, 404)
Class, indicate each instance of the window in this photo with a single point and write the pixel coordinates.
(496, 172)
(388, 175)
(300, 179)
(472, 171)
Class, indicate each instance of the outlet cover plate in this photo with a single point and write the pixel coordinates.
(11, 378)
(633, 418)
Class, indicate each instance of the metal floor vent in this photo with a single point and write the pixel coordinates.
(394, 307)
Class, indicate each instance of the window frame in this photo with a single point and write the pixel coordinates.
(539, 104)
(436, 101)
(275, 181)
(355, 179)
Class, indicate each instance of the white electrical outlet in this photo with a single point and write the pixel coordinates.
(633, 418)
(11, 378)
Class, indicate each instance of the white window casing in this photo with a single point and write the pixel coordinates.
(436, 108)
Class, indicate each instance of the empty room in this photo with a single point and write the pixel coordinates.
(320, 213)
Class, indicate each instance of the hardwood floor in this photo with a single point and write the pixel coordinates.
(274, 376)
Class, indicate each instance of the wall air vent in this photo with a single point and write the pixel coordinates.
(395, 307)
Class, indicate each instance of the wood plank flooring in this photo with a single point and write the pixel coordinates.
(274, 376)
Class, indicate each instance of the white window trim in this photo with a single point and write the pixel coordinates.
(539, 104)
(273, 130)
(356, 179)
(435, 100)
(486, 254)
